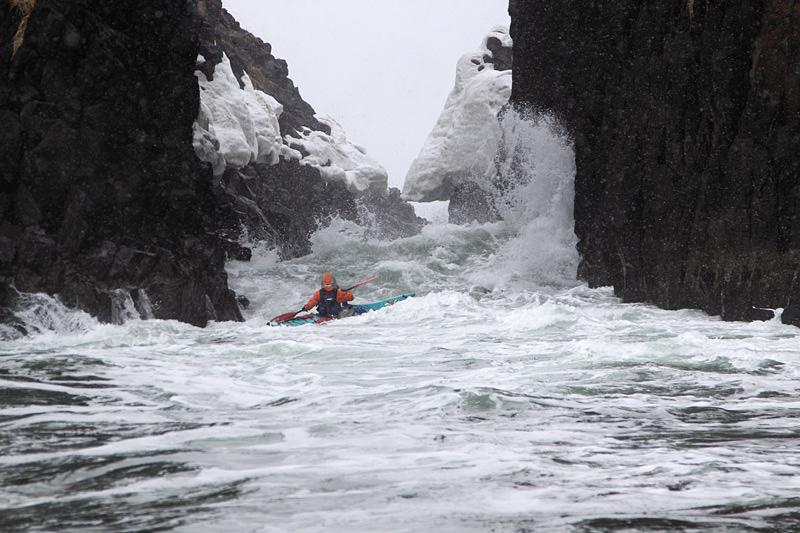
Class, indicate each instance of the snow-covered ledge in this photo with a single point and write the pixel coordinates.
(464, 140)
(337, 159)
(235, 126)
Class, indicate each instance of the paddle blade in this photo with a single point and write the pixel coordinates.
(284, 317)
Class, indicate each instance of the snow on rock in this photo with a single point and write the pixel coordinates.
(337, 159)
(235, 126)
(464, 140)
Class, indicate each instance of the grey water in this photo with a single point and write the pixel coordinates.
(505, 397)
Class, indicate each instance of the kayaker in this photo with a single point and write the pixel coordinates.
(330, 300)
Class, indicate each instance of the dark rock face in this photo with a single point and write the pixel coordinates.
(281, 204)
(284, 204)
(502, 57)
(102, 198)
(686, 122)
(471, 203)
(100, 187)
(388, 217)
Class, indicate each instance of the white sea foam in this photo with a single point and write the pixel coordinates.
(505, 396)
(452, 410)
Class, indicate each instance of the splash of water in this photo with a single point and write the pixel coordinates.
(532, 182)
(39, 313)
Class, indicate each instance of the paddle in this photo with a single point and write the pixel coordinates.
(284, 317)
(362, 283)
(288, 316)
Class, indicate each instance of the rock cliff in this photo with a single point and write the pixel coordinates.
(103, 200)
(319, 174)
(686, 122)
(456, 161)
(101, 191)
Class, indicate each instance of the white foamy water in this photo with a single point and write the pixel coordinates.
(504, 397)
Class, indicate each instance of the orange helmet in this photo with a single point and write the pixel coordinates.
(329, 282)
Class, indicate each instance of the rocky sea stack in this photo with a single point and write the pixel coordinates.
(103, 198)
(686, 122)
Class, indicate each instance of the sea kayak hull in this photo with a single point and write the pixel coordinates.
(359, 309)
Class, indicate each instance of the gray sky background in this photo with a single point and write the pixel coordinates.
(381, 68)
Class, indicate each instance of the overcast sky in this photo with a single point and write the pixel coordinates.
(381, 68)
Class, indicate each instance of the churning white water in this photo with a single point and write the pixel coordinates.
(505, 397)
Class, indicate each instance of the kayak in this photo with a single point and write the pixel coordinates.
(359, 309)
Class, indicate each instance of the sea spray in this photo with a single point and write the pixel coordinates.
(39, 313)
(532, 183)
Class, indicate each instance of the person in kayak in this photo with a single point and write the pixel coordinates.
(330, 300)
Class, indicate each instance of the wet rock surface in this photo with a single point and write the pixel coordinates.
(101, 194)
(686, 122)
(100, 188)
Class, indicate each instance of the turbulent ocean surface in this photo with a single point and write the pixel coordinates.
(505, 397)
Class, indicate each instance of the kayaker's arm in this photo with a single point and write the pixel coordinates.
(311, 303)
(344, 296)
